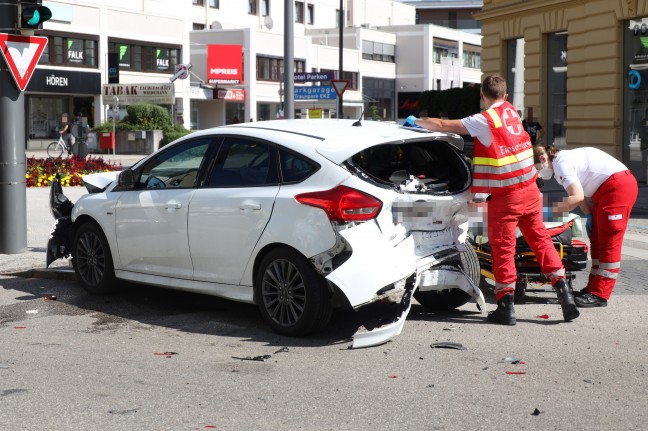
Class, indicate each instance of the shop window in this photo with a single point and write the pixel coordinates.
(556, 88)
(635, 97)
(145, 58)
(271, 69)
(252, 7)
(71, 52)
(310, 14)
(299, 12)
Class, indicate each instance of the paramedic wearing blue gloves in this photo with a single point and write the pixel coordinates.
(591, 174)
(503, 167)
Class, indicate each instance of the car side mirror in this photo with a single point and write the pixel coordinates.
(125, 179)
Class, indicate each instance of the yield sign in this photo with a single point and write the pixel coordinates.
(339, 85)
(22, 54)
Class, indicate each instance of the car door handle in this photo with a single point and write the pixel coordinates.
(172, 206)
(250, 206)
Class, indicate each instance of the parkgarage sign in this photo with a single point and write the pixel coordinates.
(133, 94)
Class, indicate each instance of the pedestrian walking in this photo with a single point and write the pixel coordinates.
(503, 167)
(606, 191)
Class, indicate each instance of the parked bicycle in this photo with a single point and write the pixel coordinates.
(56, 149)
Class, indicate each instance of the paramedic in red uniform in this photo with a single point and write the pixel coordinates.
(605, 190)
(503, 167)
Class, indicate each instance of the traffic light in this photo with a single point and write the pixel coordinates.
(33, 14)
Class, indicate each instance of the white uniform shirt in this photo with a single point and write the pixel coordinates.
(477, 126)
(588, 166)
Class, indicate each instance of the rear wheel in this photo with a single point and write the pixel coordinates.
(444, 300)
(291, 296)
(54, 150)
(92, 260)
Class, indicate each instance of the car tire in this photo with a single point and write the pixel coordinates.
(445, 300)
(292, 297)
(92, 260)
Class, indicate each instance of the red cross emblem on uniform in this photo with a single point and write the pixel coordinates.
(512, 121)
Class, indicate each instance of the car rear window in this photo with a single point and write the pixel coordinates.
(295, 168)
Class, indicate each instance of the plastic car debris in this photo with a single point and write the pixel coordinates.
(282, 350)
(510, 360)
(448, 345)
(536, 412)
(167, 354)
(543, 316)
(260, 358)
(49, 297)
(516, 372)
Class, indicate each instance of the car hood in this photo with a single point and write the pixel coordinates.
(98, 182)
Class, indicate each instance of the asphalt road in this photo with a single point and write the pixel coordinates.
(156, 359)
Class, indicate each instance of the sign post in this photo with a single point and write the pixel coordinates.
(20, 57)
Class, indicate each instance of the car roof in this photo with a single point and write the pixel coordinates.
(337, 140)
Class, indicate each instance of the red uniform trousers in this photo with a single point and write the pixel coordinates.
(611, 207)
(519, 208)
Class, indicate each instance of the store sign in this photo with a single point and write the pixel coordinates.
(235, 94)
(75, 51)
(321, 92)
(124, 56)
(162, 58)
(64, 81)
(314, 76)
(133, 94)
(224, 64)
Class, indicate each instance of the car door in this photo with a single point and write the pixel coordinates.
(151, 219)
(228, 215)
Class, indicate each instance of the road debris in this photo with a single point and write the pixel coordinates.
(511, 360)
(282, 350)
(536, 412)
(515, 372)
(49, 297)
(448, 345)
(260, 358)
(167, 354)
(543, 316)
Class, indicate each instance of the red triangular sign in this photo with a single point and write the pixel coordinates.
(339, 85)
(22, 54)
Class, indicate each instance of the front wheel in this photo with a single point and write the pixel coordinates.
(291, 295)
(92, 260)
(445, 300)
(54, 150)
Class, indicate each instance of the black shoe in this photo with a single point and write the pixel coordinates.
(581, 292)
(566, 299)
(505, 313)
(589, 300)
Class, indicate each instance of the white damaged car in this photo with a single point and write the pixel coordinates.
(296, 216)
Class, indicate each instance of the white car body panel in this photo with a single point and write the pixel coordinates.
(154, 220)
(374, 263)
(224, 227)
(100, 179)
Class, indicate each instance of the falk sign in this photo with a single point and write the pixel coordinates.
(133, 94)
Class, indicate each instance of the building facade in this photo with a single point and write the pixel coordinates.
(582, 66)
(227, 60)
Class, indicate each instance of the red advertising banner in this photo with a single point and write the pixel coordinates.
(225, 64)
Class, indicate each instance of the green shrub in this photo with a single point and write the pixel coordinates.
(147, 117)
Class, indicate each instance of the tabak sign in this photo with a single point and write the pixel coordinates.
(225, 64)
(132, 94)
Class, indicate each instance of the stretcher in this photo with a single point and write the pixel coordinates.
(530, 279)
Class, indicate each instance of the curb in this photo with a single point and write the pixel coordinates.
(65, 274)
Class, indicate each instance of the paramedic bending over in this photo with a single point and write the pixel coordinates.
(503, 167)
(589, 174)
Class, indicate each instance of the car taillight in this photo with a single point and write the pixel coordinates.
(343, 204)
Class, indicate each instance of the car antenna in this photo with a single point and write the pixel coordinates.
(359, 122)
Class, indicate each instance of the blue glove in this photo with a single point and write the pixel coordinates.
(588, 225)
(547, 214)
(410, 122)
